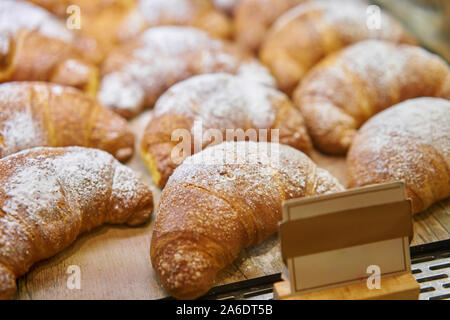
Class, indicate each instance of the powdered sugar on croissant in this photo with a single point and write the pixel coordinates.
(136, 74)
(18, 14)
(218, 107)
(48, 196)
(307, 33)
(347, 88)
(222, 200)
(38, 114)
(409, 141)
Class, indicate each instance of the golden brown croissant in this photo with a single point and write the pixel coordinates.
(310, 31)
(253, 18)
(222, 200)
(36, 46)
(235, 108)
(34, 114)
(108, 23)
(409, 141)
(88, 7)
(101, 22)
(48, 196)
(345, 89)
(227, 6)
(201, 14)
(136, 74)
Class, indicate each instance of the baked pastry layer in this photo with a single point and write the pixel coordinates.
(208, 109)
(410, 142)
(35, 114)
(310, 31)
(222, 200)
(136, 74)
(48, 196)
(347, 88)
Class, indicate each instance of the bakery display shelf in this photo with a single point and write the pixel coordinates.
(430, 264)
(115, 260)
(335, 96)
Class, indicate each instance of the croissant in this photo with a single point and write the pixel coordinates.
(36, 114)
(35, 46)
(102, 26)
(409, 141)
(345, 89)
(252, 19)
(308, 32)
(227, 6)
(48, 196)
(125, 19)
(222, 200)
(137, 73)
(238, 108)
(101, 23)
(87, 7)
(201, 14)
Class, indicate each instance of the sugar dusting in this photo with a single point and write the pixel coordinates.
(367, 77)
(124, 184)
(371, 58)
(50, 195)
(173, 40)
(252, 70)
(167, 55)
(246, 181)
(399, 135)
(37, 184)
(176, 11)
(15, 15)
(376, 64)
(159, 57)
(32, 188)
(423, 120)
(20, 131)
(259, 168)
(79, 175)
(221, 101)
(348, 17)
(119, 91)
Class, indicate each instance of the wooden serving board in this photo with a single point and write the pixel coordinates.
(114, 261)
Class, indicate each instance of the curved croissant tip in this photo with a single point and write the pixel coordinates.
(143, 215)
(347, 139)
(140, 217)
(185, 270)
(7, 283)
(124, 154)
(191, 292)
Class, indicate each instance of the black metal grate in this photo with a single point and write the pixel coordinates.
(430, 265)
